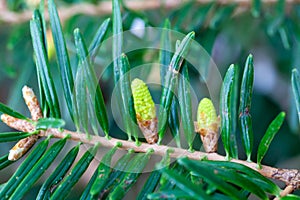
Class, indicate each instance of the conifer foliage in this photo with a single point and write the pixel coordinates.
(181, 173)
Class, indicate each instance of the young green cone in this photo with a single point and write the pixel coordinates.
(208, 125)
(145, 110)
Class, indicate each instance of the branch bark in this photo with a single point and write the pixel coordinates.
(287, 190)
(288, 176)
(105, 8)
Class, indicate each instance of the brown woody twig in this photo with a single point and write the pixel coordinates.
(105, 8)
(287, 190)
(291, 177)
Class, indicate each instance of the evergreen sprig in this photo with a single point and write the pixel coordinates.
(192, 175)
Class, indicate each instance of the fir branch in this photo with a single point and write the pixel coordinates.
(105, 8)
(291, 177)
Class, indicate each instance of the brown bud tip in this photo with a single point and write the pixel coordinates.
(32, 103)
(210, 141)
(22, 147)
(18, 124)
(149, 129)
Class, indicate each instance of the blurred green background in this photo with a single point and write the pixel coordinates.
(271, 32)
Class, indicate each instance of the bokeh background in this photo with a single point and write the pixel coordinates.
(228, 32)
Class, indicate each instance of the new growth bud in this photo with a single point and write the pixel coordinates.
(25, 144)
(208, 125)
(145, 110)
